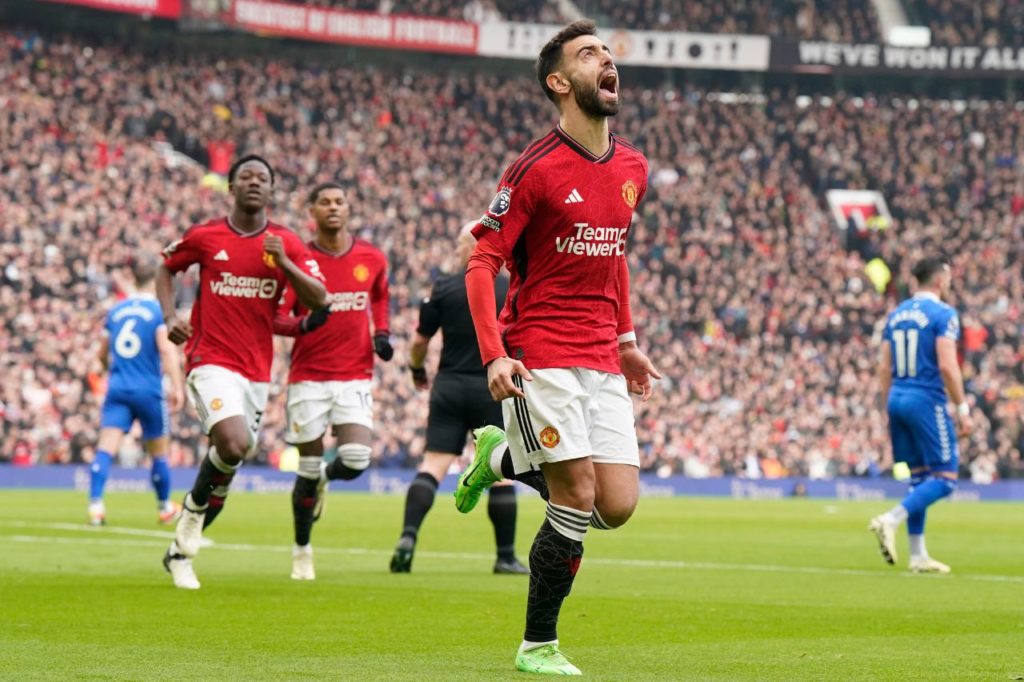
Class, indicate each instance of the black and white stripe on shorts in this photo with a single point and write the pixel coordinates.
(530, 441)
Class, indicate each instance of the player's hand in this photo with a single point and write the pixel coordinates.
(964, 425)
(638, 370)
(382, 346)
(178, 331)
(176, 399)
(419, 378)
(499, 378)
(314, 320)
(274, 245)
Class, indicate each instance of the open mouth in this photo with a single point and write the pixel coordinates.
(609, 83)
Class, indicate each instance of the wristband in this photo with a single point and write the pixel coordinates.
(963, 409)
(627, 337)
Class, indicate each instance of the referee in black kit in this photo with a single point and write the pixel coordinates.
(459, 402)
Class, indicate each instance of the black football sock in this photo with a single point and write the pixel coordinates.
(533, 478)
(554, 559)
(213, 473)
(337, 470)
(303, 502)
(501, 509)
(418, 501)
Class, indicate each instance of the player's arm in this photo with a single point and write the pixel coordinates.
(636, 367)
(286, 323)
(169, 361)
(103, 354)
(309, 289)
(884, 373)
(949, 368)
(380, 309)
(178, 330)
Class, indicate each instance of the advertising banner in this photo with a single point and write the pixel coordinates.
(815, 56)
(638, 48)
(165, 9)
(322, 24)
(395, 481)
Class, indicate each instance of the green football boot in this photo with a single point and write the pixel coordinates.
(478, 476)
(545, 660)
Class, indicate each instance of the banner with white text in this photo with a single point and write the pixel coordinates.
(815, 56)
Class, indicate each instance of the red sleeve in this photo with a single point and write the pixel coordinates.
(299, 254)
(483, 267)
(180, 254)
(285, 323)
(509, 213)
(380, 301)
(625, 323)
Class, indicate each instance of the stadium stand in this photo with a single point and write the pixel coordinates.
(970, 22)
(745, 293)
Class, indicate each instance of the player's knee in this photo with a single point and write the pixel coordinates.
(611, 516)
(949, 485)
(355, 456)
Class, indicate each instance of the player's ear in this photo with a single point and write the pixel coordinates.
(558, 83)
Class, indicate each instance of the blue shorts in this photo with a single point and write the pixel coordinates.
(121, 408)
(923, 434)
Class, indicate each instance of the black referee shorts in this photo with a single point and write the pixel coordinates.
(458, 404)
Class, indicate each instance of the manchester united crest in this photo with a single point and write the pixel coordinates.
(630, 193)
(361, 273)
(216, 404)
(269, 260)
(549, 437)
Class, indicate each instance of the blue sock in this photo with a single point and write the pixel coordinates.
(915, 520)
(927, 494)
(98, 473)
(160, 474)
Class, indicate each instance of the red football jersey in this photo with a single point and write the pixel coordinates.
(357, 288)
(560, 220)
(239, 287)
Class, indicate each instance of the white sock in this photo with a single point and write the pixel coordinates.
(302, 549)
(896, 515)
(496, 456)
(526, 646)
(917, 548)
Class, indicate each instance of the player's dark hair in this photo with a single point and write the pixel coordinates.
(245, 159)
(927, 268)
(315, 192)
(144, 270)
(550, 57)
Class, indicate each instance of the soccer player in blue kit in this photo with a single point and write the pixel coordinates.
(136, 350)
(919, 374)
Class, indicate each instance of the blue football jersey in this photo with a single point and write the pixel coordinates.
(134, 356)
(912, 330)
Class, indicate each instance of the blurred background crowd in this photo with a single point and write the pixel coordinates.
(756, 307)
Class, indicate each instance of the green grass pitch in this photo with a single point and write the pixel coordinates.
(690, 589)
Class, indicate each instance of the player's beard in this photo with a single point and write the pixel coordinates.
(588, 99)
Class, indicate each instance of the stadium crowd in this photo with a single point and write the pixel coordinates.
(744, 292)
(970, 22)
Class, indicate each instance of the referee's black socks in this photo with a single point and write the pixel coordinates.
(501, 509)
(418, 501)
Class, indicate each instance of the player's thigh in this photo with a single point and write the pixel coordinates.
(612, 425)
(109, 440)
(616, 491)
(901, 433)
(550, 424)
(352, 404)
(217, 394)
(447, 425)
(152, 414)
(116, 414)
(571, 482)
(309, 409)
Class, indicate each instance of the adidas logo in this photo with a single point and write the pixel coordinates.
(574, 197)
(221, 255)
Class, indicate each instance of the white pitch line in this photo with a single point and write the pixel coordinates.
(634, 563)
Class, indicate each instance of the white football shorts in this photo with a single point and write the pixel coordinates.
(569, 413)
(217, 393)
(313, 406)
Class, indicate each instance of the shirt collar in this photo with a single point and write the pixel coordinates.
(928, 295)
